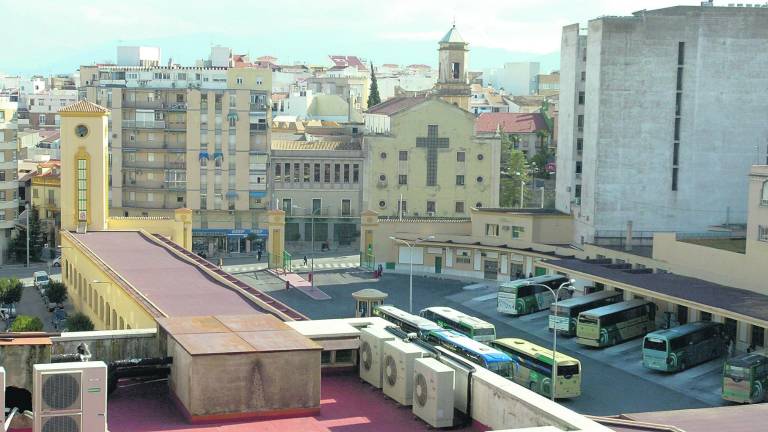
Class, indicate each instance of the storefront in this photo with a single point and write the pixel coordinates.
(213, 241)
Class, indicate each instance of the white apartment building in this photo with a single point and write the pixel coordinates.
(515, 78)
(9, 186)
(661, 115)
(43, 107)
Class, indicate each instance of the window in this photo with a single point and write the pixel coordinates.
(306, 173)
(287, 172)
(460, 156)
(337, 173)
(346, 173)
(677, 128)
(480, 157)
(492, 230)
(680, 53)
(430, 206)
(674, 178)
(35, 194)
(455, 70)
(577, 192)
(346, 207)
(764, 197)
(762, 233)
(579, 144)
(479, 204)
(583, 75)
(517, 231)
(459, 206)
(402, 205)
(581, 98)
(82, 185)
(232, 119)
(287, 207)
(383, 155)
(403, 155)
(316, 173)
(460, 180)
(355, 173)
(327, 176)
(706, 316)
(278, 174)
(758, 336)
(479, 179)
(580, 122)
(239, 80)
(402, 179)
(578, 167)
(296, 172)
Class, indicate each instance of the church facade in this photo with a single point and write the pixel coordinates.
(424, 157)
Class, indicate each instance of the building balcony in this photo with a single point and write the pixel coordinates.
(158, 204)
(8, 145)
(143, 124)
(143, 104)
(260, 127)
(12, 203)
(258, 108)
(144, 164)
(9, 165)
(178, 165)
(178, 126)
(6, 224)
(176, 106)
(155, 145)
(12, 184)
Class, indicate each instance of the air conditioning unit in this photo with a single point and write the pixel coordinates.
(433, 392)
(2, 397)
(70, 397)
(398, 370)
(371, 353)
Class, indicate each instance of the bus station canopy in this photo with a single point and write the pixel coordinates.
(687, 289)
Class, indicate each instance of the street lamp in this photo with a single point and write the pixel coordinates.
(522, 187)
(556, 295)
(410, 281)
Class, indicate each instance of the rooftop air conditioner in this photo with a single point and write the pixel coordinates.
(371, 353)
(70, 397)
(398, 370)
(433, 392)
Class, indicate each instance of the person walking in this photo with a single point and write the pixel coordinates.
(305, 260)
(258, 255)
(221, 262)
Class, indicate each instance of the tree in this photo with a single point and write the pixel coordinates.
(540, 160)
(56, 292)
(18, 245)
(513, 172)
(26, 323)
(10, 290)
(373, 93)
(79, 322)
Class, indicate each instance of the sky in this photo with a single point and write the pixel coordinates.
(48, 37)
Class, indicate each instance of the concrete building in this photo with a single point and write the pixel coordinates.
(548, 84)
(46, 198)
(43, 107)
(138, 56)
(657, 152)
(515, 78)
(487, 100)
(189, 137)
(9, 203)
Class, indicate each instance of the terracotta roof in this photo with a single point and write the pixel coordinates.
(83, 106)
(313, 145)
(341, 61)
(510, 122)
(396, 104)
(390, 65)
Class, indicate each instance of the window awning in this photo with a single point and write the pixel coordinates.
(218, 155)
(203, 155)
(232, 116)
(231, 194)
(257, 194)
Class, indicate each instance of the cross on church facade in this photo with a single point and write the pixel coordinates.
(431, 142)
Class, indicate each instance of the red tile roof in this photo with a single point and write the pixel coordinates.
(396, 104)
(340, 61)
(510, 122)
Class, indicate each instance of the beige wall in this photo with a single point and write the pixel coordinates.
(757, 209)
(537, 228)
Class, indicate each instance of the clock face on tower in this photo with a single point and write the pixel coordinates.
(81, 131)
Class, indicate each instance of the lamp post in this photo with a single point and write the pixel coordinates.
(522, 188)
(556, 295)
(410, 279)
(26, 208)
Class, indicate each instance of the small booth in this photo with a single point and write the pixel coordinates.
(366, 300)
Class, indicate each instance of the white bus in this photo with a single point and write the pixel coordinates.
(409, 323)
(452, 319)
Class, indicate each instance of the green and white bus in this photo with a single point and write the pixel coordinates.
(564, 314)
(616, 323)
(525, 296)
(449, 318)
(745, 378)
(675, 349)
(533, 368)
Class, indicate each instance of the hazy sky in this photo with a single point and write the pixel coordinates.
(46, 36)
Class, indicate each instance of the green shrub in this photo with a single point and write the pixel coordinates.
(79, 322)
(26, 323)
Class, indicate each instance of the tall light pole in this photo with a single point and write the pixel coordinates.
(556, 295)
(26, 208)
(410, 279)
(522, 187)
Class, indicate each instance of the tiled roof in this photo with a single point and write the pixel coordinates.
(313, 145)
(83, 106)
(510, 122)
(395, 105)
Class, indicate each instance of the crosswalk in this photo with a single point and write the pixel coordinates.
(300, 267)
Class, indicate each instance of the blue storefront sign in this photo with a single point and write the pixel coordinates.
(222, 232)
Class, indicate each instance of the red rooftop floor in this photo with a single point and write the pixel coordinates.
(347, 405)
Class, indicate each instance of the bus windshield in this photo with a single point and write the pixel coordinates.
(655, 344)
(485, 331)
(736, 373)
(567, 370)
(503, 368)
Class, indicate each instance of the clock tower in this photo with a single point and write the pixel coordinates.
(84, 167)
(453, 82)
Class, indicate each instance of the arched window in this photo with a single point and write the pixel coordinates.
(122, 324)
(764, 195)
(101, 308)
(107, 315)
(114, 319)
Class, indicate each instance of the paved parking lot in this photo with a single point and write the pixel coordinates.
(613, 379)
(32, 304)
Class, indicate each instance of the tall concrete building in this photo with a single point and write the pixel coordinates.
(9, 203)
(195, 137)
(515, 78)
(661, 115)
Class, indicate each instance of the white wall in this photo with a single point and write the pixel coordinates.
(517, 79)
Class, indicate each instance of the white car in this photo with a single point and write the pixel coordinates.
(56, 262)
(41, 280)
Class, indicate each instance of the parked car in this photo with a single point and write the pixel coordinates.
(8, 310)
(41, 281)
(56, 262)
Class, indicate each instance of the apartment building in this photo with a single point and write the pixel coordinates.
(43, 107)
(660, 133)
(9, 203)
(195, 137)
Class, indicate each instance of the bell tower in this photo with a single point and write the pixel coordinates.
(453, 83)
(84, 167)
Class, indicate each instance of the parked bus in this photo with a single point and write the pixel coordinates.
(474, 351)
(677, 348)
(525, 296)
(408, 322)
(565, 313)
(745, 378)
(613, 324)
(535, 368)
(449, 318)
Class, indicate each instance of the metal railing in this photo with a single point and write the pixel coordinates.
(144, 124)
(143, 104)
(143, 164)
(176, 125)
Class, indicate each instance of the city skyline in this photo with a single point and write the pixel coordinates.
(296, 32)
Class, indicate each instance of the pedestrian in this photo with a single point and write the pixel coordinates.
(221, 262)
(381, 270)
(305, 260)
(530, 275)
(258, 255)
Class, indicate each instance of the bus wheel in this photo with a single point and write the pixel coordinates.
(683, 365)
(532, 386)
(758, 392)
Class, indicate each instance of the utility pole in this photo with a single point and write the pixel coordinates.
(26, 207)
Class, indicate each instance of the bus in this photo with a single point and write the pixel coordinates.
(474, 351)
(745, 378)
(613, 324)
(674, 349)
(564, 313)
(535, 368)
(408, 322)
(525, 296)
(452, 319)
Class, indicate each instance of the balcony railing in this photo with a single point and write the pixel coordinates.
(764, 202)
(155, 145)
(159, 204)
(11, 184)
(144, 124)
(176, 165)
(177, 106)
(11, 203)
(143, 164)
(258, 107)
(143, 104)
(258, 126)
(176, 125)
